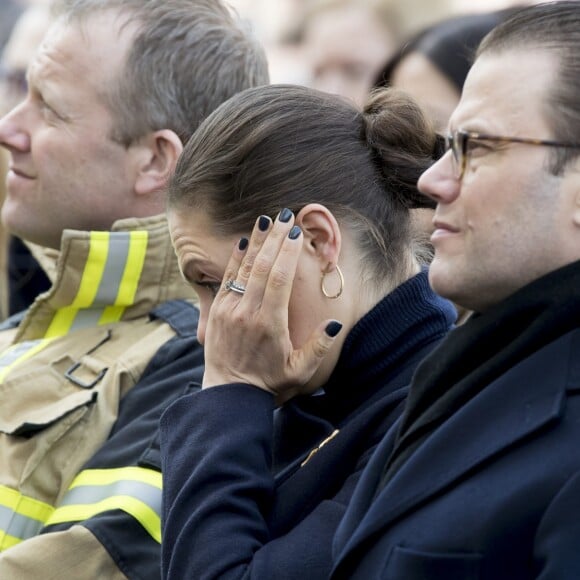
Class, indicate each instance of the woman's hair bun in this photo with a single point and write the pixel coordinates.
(403, 142)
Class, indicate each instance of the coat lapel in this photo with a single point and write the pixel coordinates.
(323, 474)
(510, 409)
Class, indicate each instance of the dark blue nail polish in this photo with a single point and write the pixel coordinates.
(333, 328)
(285, 215)
(294, 232)
(243, 244)
(263, 223)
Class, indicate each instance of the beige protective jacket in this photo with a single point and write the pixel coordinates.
(80, 348)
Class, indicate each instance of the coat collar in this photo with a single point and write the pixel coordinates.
(103, 277)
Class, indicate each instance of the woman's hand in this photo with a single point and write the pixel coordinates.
(247, 338)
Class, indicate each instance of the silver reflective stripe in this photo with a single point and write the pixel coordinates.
(92, 494)
(119, 244)
(12, 354)
(133, 490)
(17, 525)
(87, 318)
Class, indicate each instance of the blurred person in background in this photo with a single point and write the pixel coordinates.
(20, 48)
(10, 11)
(347, 42)
(276, 25)
(490, 5)
(22, 275)
(432, 66)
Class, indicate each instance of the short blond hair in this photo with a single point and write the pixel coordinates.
(187, 57)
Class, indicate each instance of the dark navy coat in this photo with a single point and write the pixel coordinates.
(493, 493)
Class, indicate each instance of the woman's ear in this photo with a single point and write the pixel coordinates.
(156, 157)
(322, 237)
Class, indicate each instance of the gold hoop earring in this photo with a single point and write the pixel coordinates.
(341, 288)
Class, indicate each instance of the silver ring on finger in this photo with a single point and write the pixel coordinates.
(235, 286)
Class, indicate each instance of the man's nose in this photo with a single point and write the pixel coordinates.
(13, 134)
(440, 182)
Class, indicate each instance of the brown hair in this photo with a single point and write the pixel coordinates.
(187, 57)
(288, 146)
(551, 27)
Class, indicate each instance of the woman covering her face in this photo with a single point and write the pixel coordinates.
(289, 213)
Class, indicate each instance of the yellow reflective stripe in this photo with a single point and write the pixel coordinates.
(133, 269)
(135, 490)
(23, 505)
(108, 286)
(112, 314)
(21, 517)
(90, 281)
(64, 318)
(147, 517)
(61, 322)
(94, 268)
(109, 476)
(7, 541)
(131, 276)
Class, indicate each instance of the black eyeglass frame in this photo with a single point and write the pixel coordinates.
(459, 140)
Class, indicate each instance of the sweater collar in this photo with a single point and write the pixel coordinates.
(403, 321)
(377, 359)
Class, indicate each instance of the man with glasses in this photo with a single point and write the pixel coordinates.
(481, 476)
(115, 90)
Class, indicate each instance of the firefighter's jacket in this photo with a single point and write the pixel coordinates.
(84, 375)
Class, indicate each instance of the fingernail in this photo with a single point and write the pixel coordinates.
(294, 232)
(263, 223)
(333, 328)
(243, 244)
(285, 215)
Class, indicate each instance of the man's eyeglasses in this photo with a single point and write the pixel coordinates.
(459, 141)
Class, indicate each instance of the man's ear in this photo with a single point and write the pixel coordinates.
(156, 154)
(322, 237)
